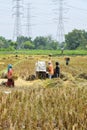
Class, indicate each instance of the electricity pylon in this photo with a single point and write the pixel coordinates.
(28, 21)
(60, 29)
(17, 26)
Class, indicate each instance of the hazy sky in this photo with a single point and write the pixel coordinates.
(43, 17)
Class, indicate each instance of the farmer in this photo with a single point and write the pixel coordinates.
(67, 59)
(50, 70)
(62, 50)
(57, 70)
(10, 81)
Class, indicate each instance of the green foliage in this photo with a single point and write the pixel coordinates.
(76, 39)
(3, 42)
(23, 39)
(45, 43)
(40, 42)
(28, 45)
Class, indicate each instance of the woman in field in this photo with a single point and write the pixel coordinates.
(50, 70)
(10, 81)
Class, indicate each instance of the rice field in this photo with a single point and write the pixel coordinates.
(56, 104)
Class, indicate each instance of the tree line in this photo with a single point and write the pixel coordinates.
(77, 39)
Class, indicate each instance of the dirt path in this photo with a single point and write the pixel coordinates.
(19, 82)
(22, 84)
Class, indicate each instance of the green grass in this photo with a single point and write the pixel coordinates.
(46, 52)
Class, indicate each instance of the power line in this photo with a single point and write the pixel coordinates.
(78, 8)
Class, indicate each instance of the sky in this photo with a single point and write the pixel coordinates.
(43, 17)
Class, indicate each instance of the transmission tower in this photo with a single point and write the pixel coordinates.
(28, 17)
(60, 29)
(28, 20)
(17, 26)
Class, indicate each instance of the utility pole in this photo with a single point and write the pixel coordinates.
(17, 26)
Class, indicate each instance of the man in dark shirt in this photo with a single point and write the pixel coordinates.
(57, 70)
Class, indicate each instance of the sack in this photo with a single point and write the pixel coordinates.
(40, 66)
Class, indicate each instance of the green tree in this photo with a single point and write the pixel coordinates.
(21, 40)
(3, 42)
(76, 39)
(45, 43)
(40, 42)
(51, 44)
(12, 44)
(28, 45)
(83, 44)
